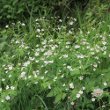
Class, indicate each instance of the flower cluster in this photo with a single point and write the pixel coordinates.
(55, 63)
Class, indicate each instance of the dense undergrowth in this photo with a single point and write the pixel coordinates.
(57, 63)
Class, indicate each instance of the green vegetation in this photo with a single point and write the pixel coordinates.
(54, 59)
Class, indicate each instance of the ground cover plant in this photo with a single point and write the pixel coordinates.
(57, 63)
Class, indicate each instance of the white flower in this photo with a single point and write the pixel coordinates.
(44, 42)
(26, 63)
(12, 87)
(81, 77)
(95, 65)
(80, 92)
(23, 74)
(103, 106)
(60, 20)
(94, 69)
(68, 43)
(93, 99)
(67, 47)
(70, 68)
(53, 47)
(72, 103)
(7, 97)
(75, 19)
(31, 58)
(37, 61)
(78, 95)
(17, 42)
(48, 62)
(10, 76)
(7, 87)
(3, 79)
(83, 88)
(66, 89)
(92, 53)
(36, 82)
(23, 24)
(2, 100)
(42, 77)
(65, 56)
(97, 92)
(71, 23)
(7, 26)
(71, 85)
(80, 56)
(38, 30)
(10, 67)
(77, 46)
(105, 84)
(48, 53)
(104, 42)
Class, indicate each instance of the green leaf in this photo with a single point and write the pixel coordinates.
(59, 97)
(50, 94)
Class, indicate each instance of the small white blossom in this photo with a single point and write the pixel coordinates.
(38, 30)
(7, 26)
(10, 67)
(71, 23)
(23, 75)
(93, 99)
(60, 20)
(31, 58)
(7, 97)
(65, 56)
(3, 79)
(97, 92)
(75, 19)
(2, 100)
(26, 63)
(104, 43)
(105, 84)
(71, 85)
(80, 56)
(77, 46)
(83, 88)
(78, 95)
(48, 53)
(68, 43)
(95, 65)
(42, 77)
(23, 24)
(72, 103)
(7, 87)
(63, 85)
(70, 68)
(80, 92)
(81, 77)
(12, 87)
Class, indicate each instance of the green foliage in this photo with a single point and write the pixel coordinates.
(23, 9)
